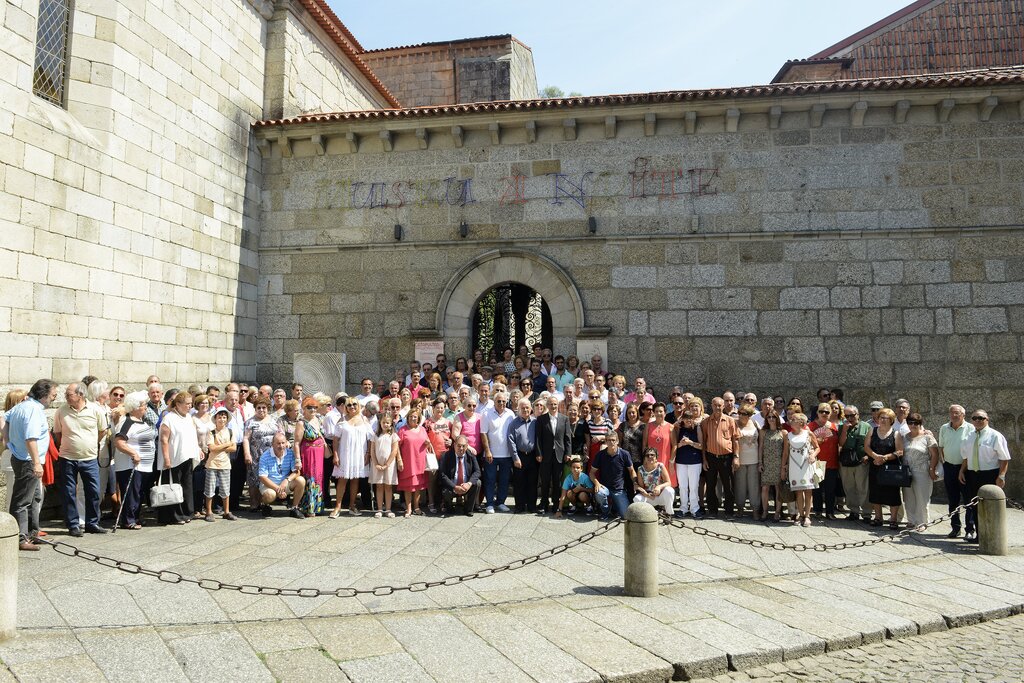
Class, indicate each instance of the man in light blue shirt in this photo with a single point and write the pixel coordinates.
(28, 437)
(279, 476)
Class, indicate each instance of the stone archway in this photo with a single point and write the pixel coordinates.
(455, 308)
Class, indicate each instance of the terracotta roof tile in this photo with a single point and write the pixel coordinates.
(965, 79)
(439, 43)
(934, 37)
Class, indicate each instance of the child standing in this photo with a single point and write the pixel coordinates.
(383, 459)
(221, 444)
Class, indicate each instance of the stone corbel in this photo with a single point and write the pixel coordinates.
(901, 110)
(774, 116)
(457, 135)
(423, 137)
(732, 120)
(987, 106)
(818, 114)
(690, 122)
(531, 131)
(857, 113)
(285, 144)
(609, 127)
(353, 142)
(944, 108)
(387, 140)
(318, 144)
(495, 131)
(650, 123)
(569, 129)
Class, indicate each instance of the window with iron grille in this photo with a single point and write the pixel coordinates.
(53, 31)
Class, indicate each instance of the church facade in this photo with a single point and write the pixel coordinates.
(178, 198)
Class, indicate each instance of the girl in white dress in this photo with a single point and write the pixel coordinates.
(799, 453)
(383, 459)
(352, 438)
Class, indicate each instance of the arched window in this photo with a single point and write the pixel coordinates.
(511, 315)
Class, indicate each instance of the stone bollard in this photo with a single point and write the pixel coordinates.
(9, 535)
(641, 556)
(992, 520)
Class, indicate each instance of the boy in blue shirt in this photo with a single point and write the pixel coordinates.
(577, 488)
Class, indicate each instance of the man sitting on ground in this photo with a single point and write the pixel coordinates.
(279, 476)
(460, 477)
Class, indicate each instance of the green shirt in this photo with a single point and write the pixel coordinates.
(951, 439)
(856, 437)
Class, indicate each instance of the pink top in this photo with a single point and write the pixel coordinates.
(471, 430)
(412, 448)
(660, 439)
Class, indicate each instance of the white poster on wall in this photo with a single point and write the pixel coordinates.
(428, 351)
(586, 349)
(319, 372)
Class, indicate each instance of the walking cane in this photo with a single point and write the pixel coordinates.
(124, 497)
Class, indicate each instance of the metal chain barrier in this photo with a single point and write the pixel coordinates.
(820, 547)
(168, 576)
(1016, 505)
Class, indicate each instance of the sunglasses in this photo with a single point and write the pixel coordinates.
(978, 418)
(824, 412)
(914, 422)
(678, 403)
(118, 395)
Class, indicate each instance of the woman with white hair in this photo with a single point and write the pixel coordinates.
(135, 450)
(97, 393)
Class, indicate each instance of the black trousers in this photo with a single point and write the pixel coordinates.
(524, 483)
(975, 480)
(550, 475)
(466, 502)
(955, 491)
(182, 512)
(719, 468)
(239, 473)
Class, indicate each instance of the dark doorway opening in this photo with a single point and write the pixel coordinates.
(511, 315)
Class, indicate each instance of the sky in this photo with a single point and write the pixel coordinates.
(610, 46)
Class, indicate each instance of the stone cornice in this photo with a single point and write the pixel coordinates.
(718, 116)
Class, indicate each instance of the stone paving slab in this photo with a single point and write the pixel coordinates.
(723, 606)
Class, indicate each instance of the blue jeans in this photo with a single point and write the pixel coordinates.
(67, 480)
(497, 475)
(608, 499)
(955, 491)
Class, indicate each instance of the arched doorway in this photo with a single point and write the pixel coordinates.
(511, 315)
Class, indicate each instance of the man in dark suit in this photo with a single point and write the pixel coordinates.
(460, 477)
(554, 441)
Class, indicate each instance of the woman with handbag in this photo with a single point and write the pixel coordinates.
(179, 450)
(799, 455)
(772, 442)
(885, 448)
(134, 451)
(310, 444)
(921, 454)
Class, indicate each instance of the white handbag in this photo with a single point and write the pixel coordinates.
(431, 462)
(162, 495)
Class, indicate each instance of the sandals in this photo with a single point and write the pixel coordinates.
(133, 527)
(354, 512)
(894, 525)
(875, 522)
(378, 514)
(418, 512)
(389, 514)
(408, 513)
(334, 514)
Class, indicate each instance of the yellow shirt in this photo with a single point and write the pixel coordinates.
(80, 430)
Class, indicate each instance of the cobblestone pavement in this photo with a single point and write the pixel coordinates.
(991, 651)
(723, 605)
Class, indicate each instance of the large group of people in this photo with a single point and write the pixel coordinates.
(525, 432)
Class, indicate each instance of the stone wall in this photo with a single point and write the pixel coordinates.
(473, 70)
(823, 250)
(129, 218)
(308, 72)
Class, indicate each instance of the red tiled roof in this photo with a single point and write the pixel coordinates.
(932, 36)
(439, 43)
(343, 38)
(965, 79)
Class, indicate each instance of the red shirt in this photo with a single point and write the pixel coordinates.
(828, 443)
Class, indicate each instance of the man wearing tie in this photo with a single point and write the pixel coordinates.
(554, 443)
(460, 477)
(986, 457)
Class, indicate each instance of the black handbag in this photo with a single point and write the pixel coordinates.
(894, 473)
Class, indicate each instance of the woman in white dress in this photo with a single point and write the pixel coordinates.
(204, 425)
(352, 438)
(799, 453)
(383, 461)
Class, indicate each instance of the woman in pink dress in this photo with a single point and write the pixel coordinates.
(659, 437)
(309, 440)
(439, 429)
(413, 446)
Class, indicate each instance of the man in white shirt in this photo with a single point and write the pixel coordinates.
(986, 458)
(902, 409)
(951, 438)
(497, 460)
(484, 402)
(367, 387)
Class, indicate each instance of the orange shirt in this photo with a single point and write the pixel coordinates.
(720, 438)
